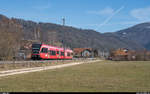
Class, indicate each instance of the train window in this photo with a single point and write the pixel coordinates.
(52, 52)
(44, 50)
(57, 52)
(35, 51)
(68, 54)
(62, 53)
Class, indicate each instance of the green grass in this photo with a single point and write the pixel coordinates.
(104, 76)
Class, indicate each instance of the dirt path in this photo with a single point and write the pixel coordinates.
(35, 69)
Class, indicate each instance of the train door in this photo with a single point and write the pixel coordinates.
(62, 54)
(44, 53)
(65, 57)
(59, 54)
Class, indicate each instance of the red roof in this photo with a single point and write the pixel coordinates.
(79, 50)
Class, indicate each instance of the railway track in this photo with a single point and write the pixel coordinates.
(43, 61)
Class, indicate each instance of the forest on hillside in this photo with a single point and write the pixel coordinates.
(15, 34)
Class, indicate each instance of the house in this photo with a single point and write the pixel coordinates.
(119, 54)
(125, 54)
(82, 52)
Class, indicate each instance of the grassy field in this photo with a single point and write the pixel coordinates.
(104, 76)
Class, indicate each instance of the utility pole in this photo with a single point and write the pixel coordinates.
(63, 20)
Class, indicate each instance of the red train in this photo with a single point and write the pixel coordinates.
(42, 51)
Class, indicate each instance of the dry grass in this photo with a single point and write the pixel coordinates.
(12, 66)
(103, 76)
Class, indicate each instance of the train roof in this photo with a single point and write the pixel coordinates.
(55, 47)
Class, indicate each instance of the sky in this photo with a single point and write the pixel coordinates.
(100, 15)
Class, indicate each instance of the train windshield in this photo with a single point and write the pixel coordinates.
(36, 45)
(36, 48)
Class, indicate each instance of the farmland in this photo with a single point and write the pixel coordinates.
(103, 76)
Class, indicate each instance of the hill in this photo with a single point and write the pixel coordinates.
(72, 37)
(139, 33)
(56, 34)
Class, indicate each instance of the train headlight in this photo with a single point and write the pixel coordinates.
(46, 55)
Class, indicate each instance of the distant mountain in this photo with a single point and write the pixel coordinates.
(139, 33)
(75, 38)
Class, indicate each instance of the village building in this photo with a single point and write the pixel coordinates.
(126, 54)
(82, 52)
(86, 52)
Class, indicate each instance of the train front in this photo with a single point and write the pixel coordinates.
(36, 51)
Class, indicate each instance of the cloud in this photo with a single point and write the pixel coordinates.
(42, 7)
(3, 10)
(142, 14)
(105, 11)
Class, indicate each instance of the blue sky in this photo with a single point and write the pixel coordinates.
(100, 15)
